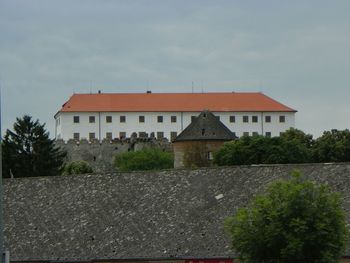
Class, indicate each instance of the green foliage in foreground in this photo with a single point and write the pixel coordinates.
(295, 221)
(77, 167)
(148, 159)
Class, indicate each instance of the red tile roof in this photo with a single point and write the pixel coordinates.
(169, 102)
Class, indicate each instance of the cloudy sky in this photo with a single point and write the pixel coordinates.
(297, 52)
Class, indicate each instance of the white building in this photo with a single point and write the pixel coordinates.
(116, 115)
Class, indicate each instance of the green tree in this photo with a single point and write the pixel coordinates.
(148, 159)
(293, 134)
(262, 150)
(332, 146)
(28, 150)
(77, 167)
(295, 221)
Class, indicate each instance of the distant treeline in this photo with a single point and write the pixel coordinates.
(293, 146)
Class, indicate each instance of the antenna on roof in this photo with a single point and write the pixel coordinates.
(260, 86)
(192, 86)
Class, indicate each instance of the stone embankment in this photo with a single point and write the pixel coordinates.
(168, 214)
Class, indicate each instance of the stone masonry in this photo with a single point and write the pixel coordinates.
(168, 214)
(100, 155)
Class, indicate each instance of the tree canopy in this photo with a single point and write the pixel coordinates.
(295, 221)
(332, 146)
(28, 150)
(293, 146)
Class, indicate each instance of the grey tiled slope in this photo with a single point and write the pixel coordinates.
(167, 214)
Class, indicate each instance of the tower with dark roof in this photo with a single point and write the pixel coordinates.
(197, 142)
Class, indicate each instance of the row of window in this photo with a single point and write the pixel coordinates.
(255, 119)
(92, 135)
(173, 119)
(122, 119)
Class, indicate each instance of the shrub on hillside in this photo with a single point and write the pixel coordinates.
(294, 221)
(148, 159)
(77, 167)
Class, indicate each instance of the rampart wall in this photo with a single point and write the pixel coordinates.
(100, 155)
(170, 214)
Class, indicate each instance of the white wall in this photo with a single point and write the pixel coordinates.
(65, 127)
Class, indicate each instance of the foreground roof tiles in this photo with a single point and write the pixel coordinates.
(168, 102)
(151, 215)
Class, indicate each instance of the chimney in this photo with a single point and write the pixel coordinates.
(149, 91)
(99, 91)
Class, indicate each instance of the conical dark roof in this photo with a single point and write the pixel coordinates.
(205, 127)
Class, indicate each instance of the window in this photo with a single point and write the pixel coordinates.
(268, 134)
(254, 118)
(160, 135)
(173, 118)
(109, 135)
(76, 119)
(108, 119)
(245, 133)
(282, 118)
(255, 133)
(142, 134)
(76, 136)
(267, 118)
(122, 119)
(122, 135)
(141, 118)
(232, 118)
(245, 119)
(173, 135)
(193, 118)
(91, 136)
(91, 119)
(160, 118)
(210, 156)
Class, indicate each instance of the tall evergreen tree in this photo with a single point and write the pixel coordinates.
(28, 150)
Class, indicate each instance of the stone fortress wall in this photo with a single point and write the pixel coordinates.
(169, 214)
(100, 155)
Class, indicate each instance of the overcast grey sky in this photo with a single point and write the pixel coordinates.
(294, 51)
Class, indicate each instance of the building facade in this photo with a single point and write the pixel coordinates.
(118, 115)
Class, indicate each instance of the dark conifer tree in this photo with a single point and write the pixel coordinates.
(28, 150)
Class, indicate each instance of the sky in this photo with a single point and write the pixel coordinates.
(297, 52)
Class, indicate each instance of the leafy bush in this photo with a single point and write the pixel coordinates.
(148, 159)
(332, 146)
(263, 150)
(295, 221)
(77, 167)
